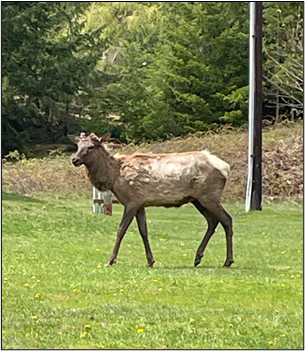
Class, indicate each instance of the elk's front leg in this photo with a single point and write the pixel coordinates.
(128, 216)
(142, 225)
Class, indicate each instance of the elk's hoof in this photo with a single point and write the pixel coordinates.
(151, 264)
(228, 263)
(110, 263)
(197, 261)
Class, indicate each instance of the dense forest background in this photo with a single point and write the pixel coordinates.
(142, 70)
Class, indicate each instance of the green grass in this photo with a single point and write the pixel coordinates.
(56, 292)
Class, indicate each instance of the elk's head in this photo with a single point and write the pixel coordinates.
(86, 146)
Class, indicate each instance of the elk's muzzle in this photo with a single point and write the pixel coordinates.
(76, 161)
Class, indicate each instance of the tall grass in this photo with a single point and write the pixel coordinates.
(57, 294)
(282, 165)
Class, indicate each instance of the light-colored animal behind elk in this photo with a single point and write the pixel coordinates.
(170, 180)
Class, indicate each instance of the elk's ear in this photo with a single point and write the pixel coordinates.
(105, 137)
(73, 138)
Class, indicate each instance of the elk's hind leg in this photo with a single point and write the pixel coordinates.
(142, 225)
(212, 224)
(226, 221)
(228, 227)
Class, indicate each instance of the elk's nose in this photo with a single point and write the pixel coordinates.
(75, 161)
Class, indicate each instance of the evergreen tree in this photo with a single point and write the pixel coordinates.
(46, 59)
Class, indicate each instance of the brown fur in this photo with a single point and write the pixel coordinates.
(170, 180)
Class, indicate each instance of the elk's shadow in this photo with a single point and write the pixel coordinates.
(19, 197)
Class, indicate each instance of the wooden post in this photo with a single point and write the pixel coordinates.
(256, 199)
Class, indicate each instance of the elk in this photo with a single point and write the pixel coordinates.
(140, 180)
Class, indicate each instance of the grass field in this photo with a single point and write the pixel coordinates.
(56, 292)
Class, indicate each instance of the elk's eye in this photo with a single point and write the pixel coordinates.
(90, 147)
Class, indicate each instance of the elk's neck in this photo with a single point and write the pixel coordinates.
(103, 170)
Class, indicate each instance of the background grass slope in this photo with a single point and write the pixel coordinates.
(282, 165)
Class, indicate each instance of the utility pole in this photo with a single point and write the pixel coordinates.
(256, 201)
(254, 186)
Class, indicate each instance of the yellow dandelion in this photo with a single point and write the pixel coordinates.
(160, 289)
(83, 335)
(38, 280)
(53, 262)
(64, 261)
(283, 285)
(97, 249)
(230, 325)
(155, 280)
(140, 330)
(298, 275)
(24, 270)
(299, 251)
(99, 266)
(292, 276)
(38, 294)
(26, 284)
(74, 290)
(12, 266)
(33, 277)
(271, 342)
(192, 320)
(4, 278)
(282, 252)
(283, 335)
(2, 296)
(34, 317)
(87, 326)
(184, 254)
(122, 290)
